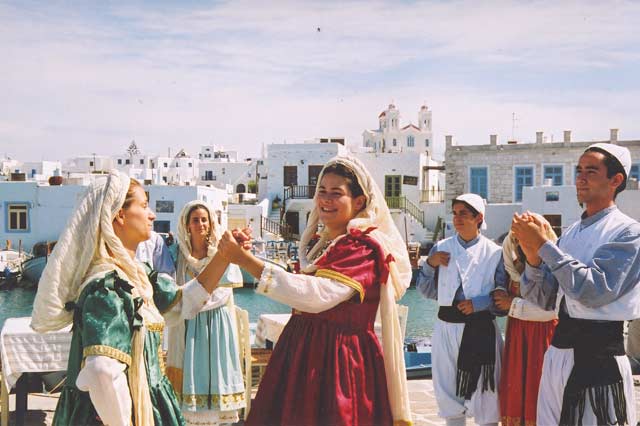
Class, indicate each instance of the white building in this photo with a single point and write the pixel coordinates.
(390, 137)
(31, 213)
(88, 164)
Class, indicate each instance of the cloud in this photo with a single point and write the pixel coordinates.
(94, 77)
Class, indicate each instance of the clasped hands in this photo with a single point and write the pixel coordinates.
(531, 234)
(235, 245)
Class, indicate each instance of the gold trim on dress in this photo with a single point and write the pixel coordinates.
(224, 402)
(175, 301)
(402, 423)
(155, 327)
(108, 351)
(343, 279)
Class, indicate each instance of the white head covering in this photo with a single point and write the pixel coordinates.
(512, 263)
(478, 203)
(621, 154)
(87, 249)
(375, 214)
(184, 241)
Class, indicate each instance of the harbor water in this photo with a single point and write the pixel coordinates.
(18, 302)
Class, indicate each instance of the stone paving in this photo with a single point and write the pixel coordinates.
(423, 405)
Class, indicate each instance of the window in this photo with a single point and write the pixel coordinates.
(33, 172)
(166, 164)
(90, 163)
(395, 143)
(554, 173)
(411, 141)
(478, 181)
(163, 226)
(208, 175)
(141, 161)
(120, 161)
(524, 177)
(635, 171)
(223, 171)
(426, 143)
(392, 186)
(127, 161)
(164, 206)
(17, 217)
(190, 164)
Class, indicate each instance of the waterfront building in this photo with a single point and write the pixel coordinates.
(515, 177)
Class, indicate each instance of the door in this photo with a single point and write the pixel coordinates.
(314, 173)
(293, 220)
(392, 187)
(290, 175)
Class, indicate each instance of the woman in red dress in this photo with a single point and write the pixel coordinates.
(327, 367)
(529, 333)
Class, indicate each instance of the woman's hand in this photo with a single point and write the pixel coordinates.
(243, 237)
(502, 300)
(233, 249)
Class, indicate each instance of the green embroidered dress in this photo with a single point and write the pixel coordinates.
(104, 319)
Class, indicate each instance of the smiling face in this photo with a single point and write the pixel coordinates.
(466, 224)
(135, 220)
(335, 204)
(198, 224)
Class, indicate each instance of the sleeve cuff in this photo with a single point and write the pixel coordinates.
(194, 294)
(427, 270)
(266, 279)
(516, 307)
(481, 303)
(550, 254)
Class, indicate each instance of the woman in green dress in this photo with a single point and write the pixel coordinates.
(118, 309)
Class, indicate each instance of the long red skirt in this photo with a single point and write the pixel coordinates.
(327, 369)
(524, 348)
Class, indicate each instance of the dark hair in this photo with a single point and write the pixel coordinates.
(345, 172)
(133, 184)
(473, 211)
(613, 166)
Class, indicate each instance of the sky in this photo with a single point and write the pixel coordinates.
(78, 78)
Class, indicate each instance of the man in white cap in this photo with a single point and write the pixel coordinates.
(460, 273)
(594, 273)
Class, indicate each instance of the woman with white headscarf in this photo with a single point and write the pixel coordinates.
(115, 375)
(203, 361)
(328, 366)
(529, 332)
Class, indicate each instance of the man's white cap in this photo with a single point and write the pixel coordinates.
(620, 153)
(477, 202)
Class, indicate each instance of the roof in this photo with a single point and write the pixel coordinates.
(410, 125)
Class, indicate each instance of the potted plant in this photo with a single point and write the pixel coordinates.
(275, 204)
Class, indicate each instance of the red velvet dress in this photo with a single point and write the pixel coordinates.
(524, 348)
(327, 368)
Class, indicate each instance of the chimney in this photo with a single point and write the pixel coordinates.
(493, 139)
(538, 137)
(614, 136)
(567, 136)
(448, 141)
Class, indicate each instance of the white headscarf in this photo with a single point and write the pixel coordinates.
(185, 259)
(375, 214)
(514, 267)
(87, 249)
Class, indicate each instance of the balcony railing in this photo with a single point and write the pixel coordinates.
(276, 228)
(407, 207)
(432, 196)
(299, 191)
